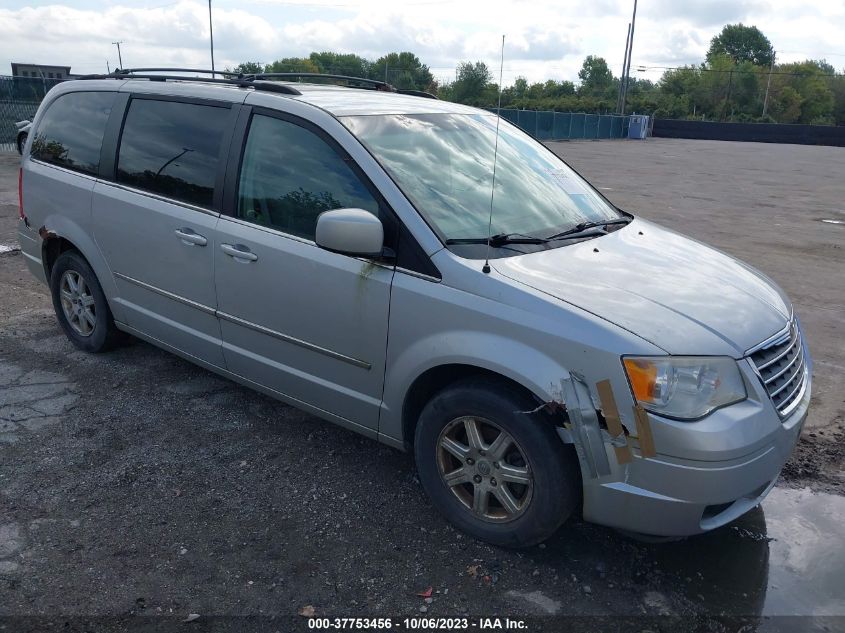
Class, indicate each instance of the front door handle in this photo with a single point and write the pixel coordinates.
(239, 252)
(189, 237)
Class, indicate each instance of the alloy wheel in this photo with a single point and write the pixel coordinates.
(77, 303)
(485, 468)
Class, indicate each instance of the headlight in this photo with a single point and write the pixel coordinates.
(685, 387)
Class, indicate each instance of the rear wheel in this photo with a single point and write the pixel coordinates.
(80, 305)
(502, 476)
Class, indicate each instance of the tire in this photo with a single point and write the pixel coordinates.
(516, 514)
(84, 314)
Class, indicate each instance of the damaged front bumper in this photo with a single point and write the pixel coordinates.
(666, 478)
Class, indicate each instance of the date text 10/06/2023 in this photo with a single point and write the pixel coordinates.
(419, 624)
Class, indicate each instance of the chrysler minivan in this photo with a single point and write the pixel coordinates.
(428, 276)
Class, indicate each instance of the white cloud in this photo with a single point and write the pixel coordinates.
(545, 38)
(172, 35)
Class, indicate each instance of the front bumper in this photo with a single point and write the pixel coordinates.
(705, 473)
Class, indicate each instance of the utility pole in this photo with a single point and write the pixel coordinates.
(119, 57)
(108, 69)
(211, 37)
(728, 96)
(624, 66)
(628, 69)
(769, 84)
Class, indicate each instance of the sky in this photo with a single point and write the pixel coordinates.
(544, 39)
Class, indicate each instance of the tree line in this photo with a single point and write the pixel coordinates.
(403, 70)
(739, 80)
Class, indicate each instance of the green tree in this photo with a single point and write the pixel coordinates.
(742, 44)
(292, 65)
(472, 85)
(596, 78)
(249, 68)
(812, 83)
(553, 89)
(403, 70)
(837, 87)
(347, 64)
(785, 105)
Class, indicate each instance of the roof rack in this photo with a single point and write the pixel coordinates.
(254, 80)
(375, 83)
(229, 78)
(416, 93)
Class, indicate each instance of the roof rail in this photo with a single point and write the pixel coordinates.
(229, 78)
(254, 80)
(375, 83)
(416, 93)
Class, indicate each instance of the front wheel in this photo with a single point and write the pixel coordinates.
(501, 476)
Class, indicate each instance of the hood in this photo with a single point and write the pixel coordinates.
(670, 290)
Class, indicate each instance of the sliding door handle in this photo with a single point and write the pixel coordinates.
(189, 237)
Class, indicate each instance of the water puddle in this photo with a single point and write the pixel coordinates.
(784, 558)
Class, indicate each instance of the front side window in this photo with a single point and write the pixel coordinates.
(172, 149)
(290, 175)
(444, 164)
(70, 134)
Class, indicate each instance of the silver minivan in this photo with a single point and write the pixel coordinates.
(428, 276)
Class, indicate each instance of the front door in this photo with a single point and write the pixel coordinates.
(305, 322)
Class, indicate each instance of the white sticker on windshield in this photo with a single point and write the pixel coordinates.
(567, 181)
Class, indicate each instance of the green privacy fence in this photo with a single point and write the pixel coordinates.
(559, 126)
(19, 99)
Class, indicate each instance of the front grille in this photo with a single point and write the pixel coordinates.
(780, 365)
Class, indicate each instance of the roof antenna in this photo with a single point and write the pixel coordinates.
(486, 267)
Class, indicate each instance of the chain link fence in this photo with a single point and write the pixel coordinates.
(562, 126)
(19, 99)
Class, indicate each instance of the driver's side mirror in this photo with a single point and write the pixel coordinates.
(351, 232)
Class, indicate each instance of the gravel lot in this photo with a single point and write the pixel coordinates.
(135, 484)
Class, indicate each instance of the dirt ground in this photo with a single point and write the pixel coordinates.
(135, 484)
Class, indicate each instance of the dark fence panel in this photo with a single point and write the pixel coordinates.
(576, 128)
(591, 126)
(546, 125)
(563, 121)
(528, 121)
(754, 132)
(19, 99)
(511, 115)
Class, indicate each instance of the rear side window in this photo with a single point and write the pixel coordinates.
(70, 134)
(290, 176)
(172, 149)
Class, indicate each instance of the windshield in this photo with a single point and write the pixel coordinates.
(444, 164)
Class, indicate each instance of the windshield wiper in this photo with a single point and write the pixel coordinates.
(584, 226)
(500, 239)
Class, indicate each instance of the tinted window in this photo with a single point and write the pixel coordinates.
(70, 133)
(171, 149)
(290, 175)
